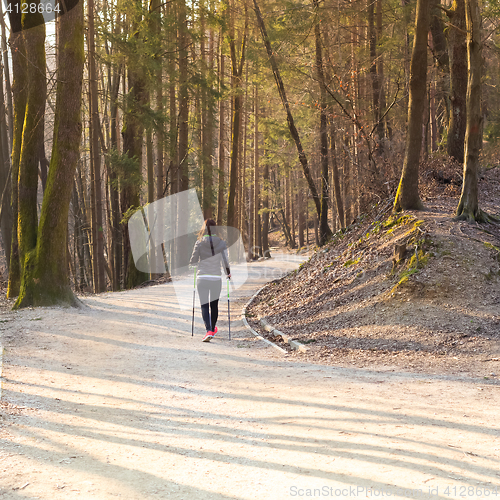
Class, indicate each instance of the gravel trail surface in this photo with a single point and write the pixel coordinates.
(117, 400)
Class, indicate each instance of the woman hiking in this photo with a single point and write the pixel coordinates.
(210, 255)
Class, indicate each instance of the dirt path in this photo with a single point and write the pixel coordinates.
(118, 401)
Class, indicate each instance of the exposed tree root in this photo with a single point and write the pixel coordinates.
(476, 216)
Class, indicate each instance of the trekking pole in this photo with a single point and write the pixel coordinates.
(194, 293)
(228, 313)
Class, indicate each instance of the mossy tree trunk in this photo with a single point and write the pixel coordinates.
(19, 94)
(45, 281)
(468, 207)
(32, 136)
(407, 196)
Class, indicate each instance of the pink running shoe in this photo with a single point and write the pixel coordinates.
(208, 336)
(215, 331)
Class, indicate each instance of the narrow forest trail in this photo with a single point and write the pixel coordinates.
(116, 400)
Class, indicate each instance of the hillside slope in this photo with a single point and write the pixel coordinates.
(437, 308)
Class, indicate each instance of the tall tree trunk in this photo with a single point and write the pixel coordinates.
(468, 207)
(133, 132)
(114, 194)
(6, 67)
(34, 35)
(251, 193)
(372, 43)
(19, 96)
(85, 274)
(324, 229)
(48, 282)
(346, 184)
(458, 81)
(265, 213)
(356, 191)
(151, 180)
(222, 117)
(291, 124)
(336, 179)
(407, 6)
(206, 118)
(183, 173)
(150, 163)
(256, 179)
(209, 130)
(290, 207)
(442, 79)
(95, 158)
(181, 253)
(78, 237)
(301, 216)
(161, 178)
(243, 164)
(380, 80)
(5, 174)
(173, 120)
(407, 196)
(237, 72)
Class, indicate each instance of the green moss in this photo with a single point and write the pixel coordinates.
(421, 262)
(403, 278)
(491, 247)
(413, 267)
(351, 262)
(398, 220)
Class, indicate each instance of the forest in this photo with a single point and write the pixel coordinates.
(296, 115)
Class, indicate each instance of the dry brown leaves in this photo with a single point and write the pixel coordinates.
(445, 318)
